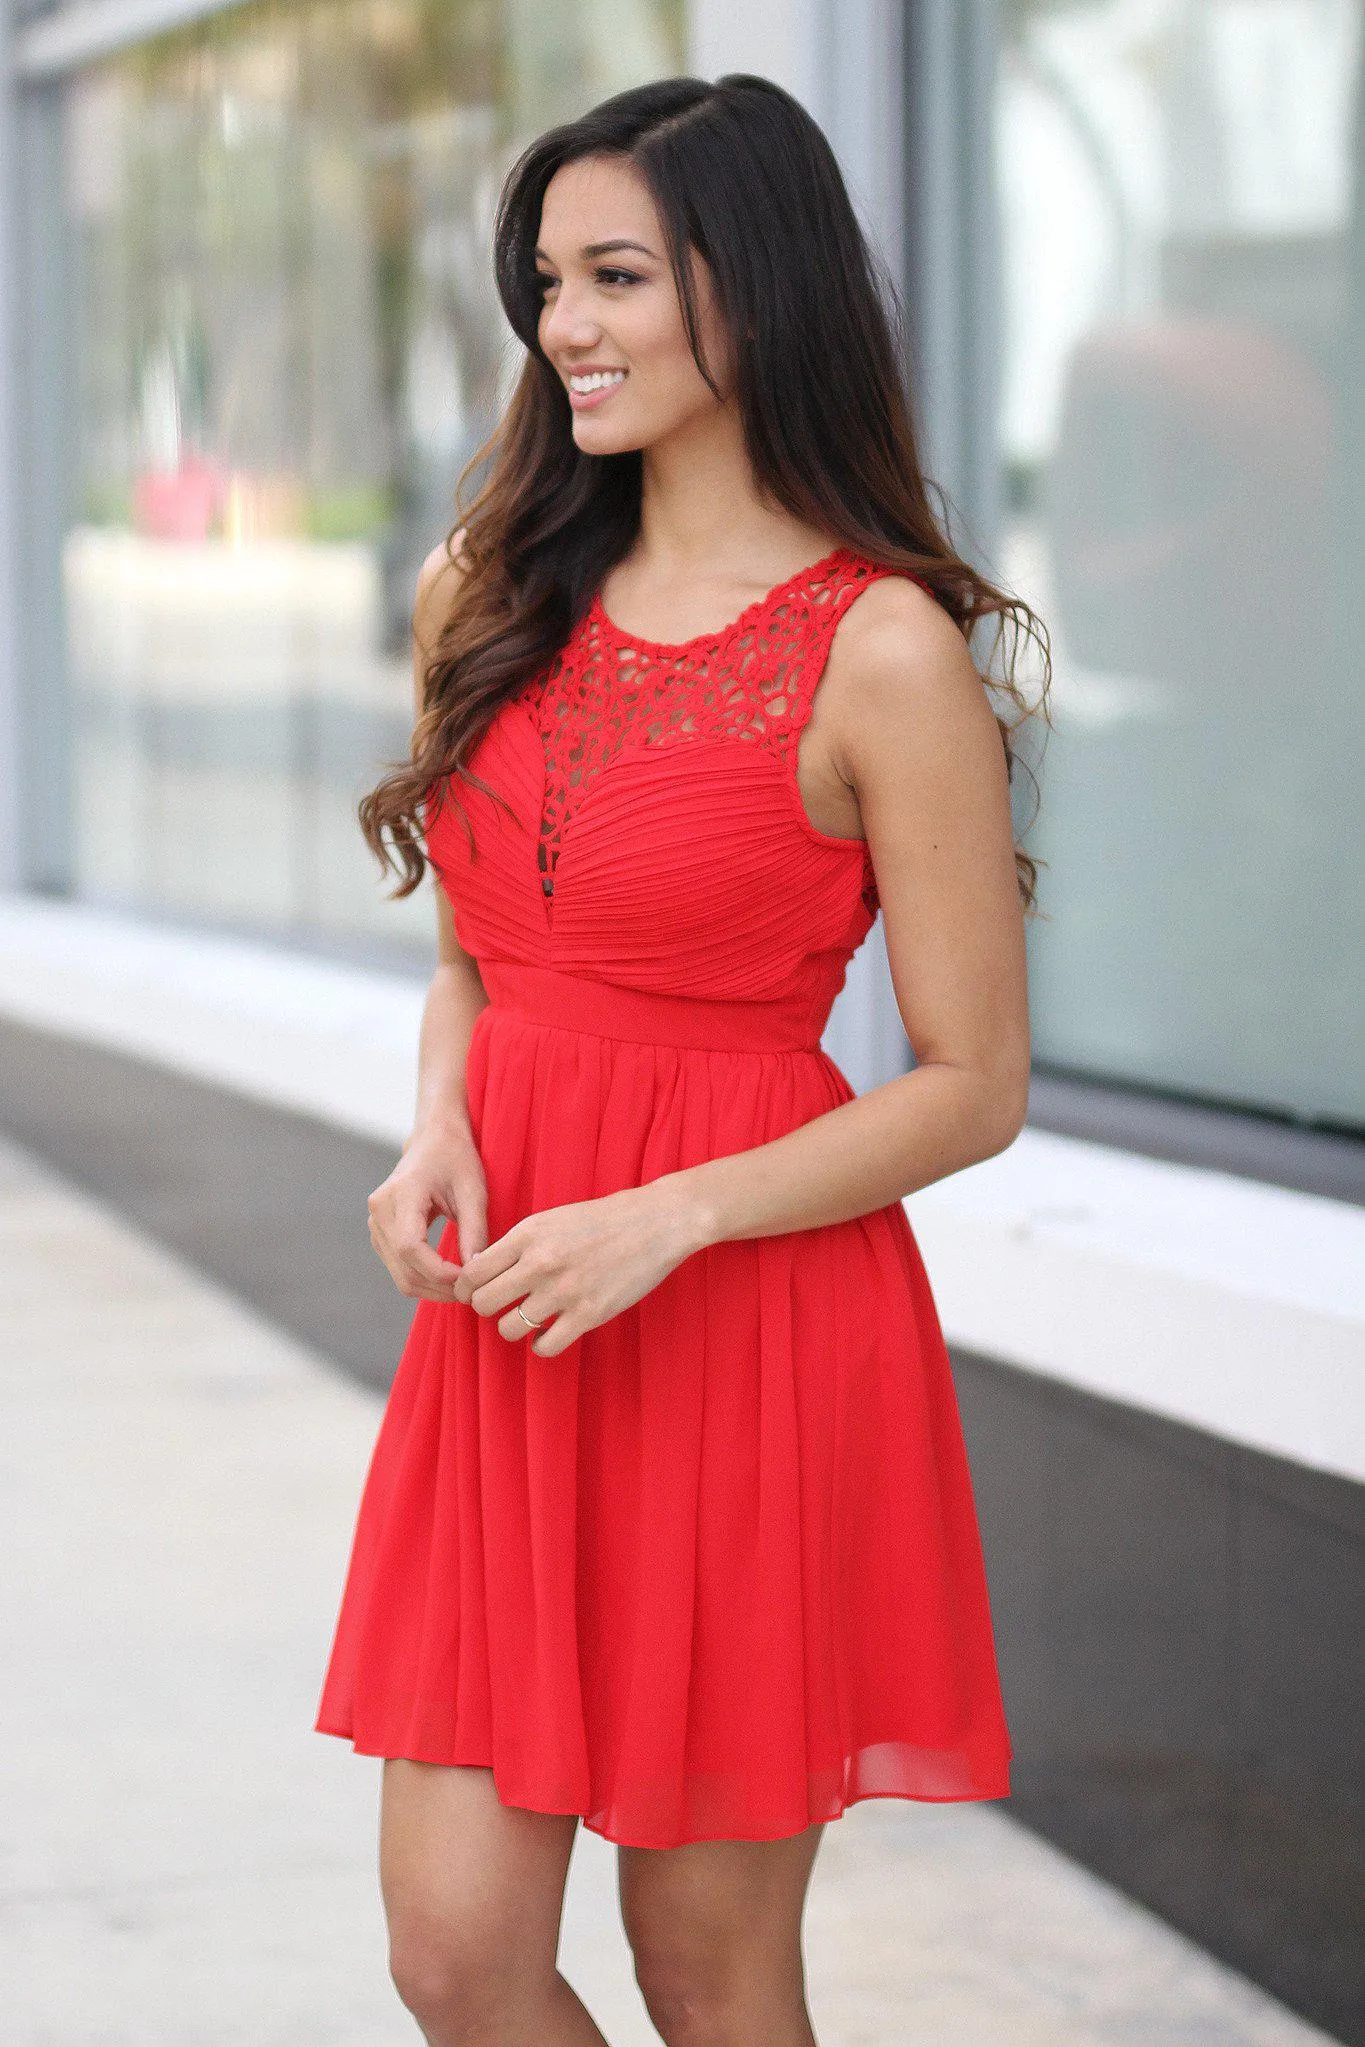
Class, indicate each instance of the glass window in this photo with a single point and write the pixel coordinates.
(288, 343)
(1182, 197)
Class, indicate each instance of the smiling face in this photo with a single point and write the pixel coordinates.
(611, 321)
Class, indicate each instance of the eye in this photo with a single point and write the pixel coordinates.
(606, 274)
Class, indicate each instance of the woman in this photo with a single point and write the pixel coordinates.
(668, 1525)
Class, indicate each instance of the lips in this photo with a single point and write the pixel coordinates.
(600, 384)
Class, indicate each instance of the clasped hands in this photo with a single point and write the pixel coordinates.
(571, 1267)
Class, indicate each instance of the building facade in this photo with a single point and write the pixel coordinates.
(249, 341)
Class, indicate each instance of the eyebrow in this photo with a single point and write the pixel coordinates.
(592, 249)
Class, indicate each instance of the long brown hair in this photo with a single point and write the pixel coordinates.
(740, 173)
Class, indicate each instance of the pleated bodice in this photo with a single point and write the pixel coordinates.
(661, 842)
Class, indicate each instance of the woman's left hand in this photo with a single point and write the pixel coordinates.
(581, 1263)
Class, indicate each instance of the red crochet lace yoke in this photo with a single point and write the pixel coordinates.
(754, 681)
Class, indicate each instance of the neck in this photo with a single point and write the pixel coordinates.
(702, 510)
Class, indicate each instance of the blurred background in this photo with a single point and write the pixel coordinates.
(248, 339)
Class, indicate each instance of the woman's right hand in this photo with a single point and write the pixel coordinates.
(440, 1173)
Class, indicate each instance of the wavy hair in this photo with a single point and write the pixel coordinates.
(741, 174)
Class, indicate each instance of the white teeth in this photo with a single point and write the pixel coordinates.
(596, 380)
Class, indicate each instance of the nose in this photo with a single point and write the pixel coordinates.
(567, 323)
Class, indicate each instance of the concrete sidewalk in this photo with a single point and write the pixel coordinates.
(186, 1861)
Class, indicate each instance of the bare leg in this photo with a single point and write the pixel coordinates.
(715, 1927)
(474, 1893)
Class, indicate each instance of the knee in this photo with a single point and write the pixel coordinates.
(459, 1983)
(690, 1992)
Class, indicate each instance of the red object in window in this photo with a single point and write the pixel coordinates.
(179, 504)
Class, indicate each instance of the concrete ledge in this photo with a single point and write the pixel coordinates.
(332, 1041)
(1200, 1296)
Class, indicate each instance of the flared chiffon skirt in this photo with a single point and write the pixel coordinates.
(714, 1571)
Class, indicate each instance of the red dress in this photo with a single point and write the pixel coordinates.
(713, 1571)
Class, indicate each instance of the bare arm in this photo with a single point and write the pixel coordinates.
(914, 736)
(440, 1172)
(916, 739)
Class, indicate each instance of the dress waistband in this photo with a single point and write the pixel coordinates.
(573, 1002)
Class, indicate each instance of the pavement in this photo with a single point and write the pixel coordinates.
(184, 1861)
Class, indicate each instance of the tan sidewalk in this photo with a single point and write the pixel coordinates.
(186, 1862)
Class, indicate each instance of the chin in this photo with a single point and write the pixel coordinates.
(597, 437)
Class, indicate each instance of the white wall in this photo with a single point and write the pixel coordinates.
(11, 735)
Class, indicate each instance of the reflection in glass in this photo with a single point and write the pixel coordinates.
(1183, 428)
(288, 345)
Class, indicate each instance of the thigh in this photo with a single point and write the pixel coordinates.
(468, 1881)
(712, 1904)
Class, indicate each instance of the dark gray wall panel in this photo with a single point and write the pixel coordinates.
(1181, 1628)
(271, 1204)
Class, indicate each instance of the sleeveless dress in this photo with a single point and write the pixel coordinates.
(714, 1571)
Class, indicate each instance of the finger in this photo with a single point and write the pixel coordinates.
(405, 1228)
(396, 1233)
(416, 1287)
(386, 1256)
(514, 1329)
(427, 1268)
(473, 1233)
(493, 1259)
(504, 1274)
(497, 1296)
(556, 1337)
(415, 1268)
(440, 1293)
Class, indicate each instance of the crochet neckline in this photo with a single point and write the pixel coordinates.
(610, 693)
(811, 573)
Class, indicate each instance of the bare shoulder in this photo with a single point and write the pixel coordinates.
(899, 666)
(438, 579)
